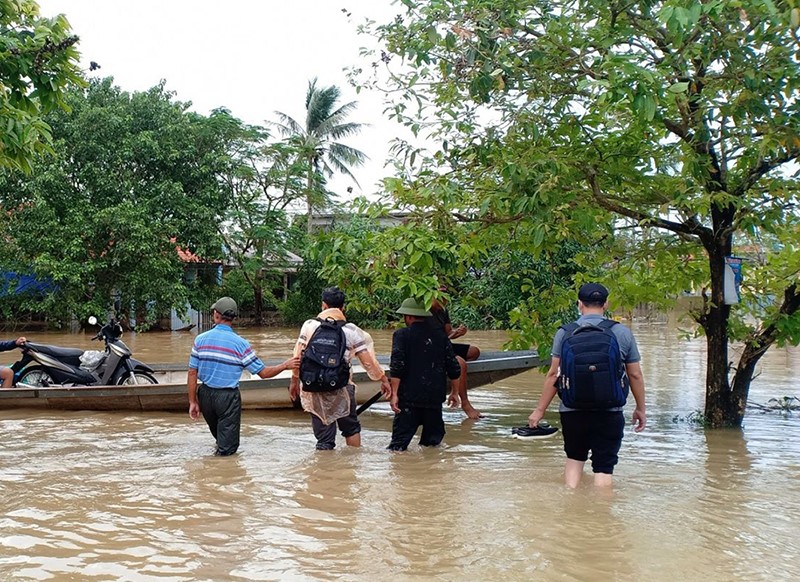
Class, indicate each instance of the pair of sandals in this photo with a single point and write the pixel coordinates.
(542, 431)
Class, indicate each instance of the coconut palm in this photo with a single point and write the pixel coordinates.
(318, 140)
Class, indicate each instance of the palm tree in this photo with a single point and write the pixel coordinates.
(319, 143)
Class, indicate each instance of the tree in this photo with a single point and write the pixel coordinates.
(38, 63)
(132, 178)
(659, 133)
(318, 141)
(262, 180)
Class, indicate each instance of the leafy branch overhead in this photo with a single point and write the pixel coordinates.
(38, 64)
(655, 133)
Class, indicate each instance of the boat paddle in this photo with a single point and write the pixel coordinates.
(373, 399)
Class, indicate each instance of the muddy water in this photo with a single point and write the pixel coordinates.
(97, 496)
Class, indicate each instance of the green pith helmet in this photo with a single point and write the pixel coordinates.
(410, 306)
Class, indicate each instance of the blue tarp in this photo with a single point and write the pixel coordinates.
(17, 284)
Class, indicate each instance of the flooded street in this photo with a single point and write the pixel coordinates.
(118, 496)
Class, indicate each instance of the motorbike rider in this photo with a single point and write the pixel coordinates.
(6, 373)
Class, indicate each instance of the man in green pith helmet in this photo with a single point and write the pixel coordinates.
(422, 361)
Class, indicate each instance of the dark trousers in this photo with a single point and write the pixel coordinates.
(408, 420)
(222, 410)
(349, 425)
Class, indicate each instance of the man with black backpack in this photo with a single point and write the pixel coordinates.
(595, 362)
(327, 344)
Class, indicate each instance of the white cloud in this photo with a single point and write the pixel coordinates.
(252, 57)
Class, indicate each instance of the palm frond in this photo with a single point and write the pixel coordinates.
(346, 154)
(288, 125)
(344, 130)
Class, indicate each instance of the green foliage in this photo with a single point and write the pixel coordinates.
(132, 178)
(236, 284)
(655, 135)
(695, 417)
(304, 299)
(261, 179)
(38, 63)
(785, 405)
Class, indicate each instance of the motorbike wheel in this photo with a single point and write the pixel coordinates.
(36, 376)
(132, 379)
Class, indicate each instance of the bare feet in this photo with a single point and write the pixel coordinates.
(471, 411)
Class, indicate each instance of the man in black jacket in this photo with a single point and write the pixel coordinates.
(422, 361)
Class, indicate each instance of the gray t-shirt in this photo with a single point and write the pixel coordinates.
(627, 345)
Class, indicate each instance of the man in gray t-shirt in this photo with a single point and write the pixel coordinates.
(598, 431)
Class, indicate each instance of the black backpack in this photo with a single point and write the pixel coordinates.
(324, 366)
(591, 371)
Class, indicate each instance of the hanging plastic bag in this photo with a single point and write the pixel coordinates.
(90, 359)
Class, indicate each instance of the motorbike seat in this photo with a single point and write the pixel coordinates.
(56, 351)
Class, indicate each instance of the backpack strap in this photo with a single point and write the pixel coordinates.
(340, 323)
(569, 328)
(607, 323)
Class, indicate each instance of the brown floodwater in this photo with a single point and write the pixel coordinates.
(105, 496)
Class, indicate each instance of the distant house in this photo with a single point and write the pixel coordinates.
(195, 267)
(327, 221)
(286, 266)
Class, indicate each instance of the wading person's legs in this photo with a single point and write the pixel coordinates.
(222, 411)
(605, 439)
(465, 353)
(325, 434)
(432, 428)
(575, 427)
(350, 425)
(404, 427)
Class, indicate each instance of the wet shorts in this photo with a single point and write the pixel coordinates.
(461, 350)
(598, 431)
(349, 425)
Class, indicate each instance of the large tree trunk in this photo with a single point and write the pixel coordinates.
(718, 409)
(753, 350)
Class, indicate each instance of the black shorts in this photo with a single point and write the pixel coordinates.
(349, 425)
(461, 350)
(598, 431)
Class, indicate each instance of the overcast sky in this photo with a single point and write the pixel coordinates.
(251, 56)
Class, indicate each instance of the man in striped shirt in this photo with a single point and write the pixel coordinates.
(217, 360)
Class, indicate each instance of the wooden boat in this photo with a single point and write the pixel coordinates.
(170, 394)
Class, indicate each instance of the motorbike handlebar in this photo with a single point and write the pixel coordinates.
(111, 330)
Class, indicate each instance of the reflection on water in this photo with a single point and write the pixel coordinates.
(139, 497)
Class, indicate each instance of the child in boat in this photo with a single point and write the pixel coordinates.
(422, 361)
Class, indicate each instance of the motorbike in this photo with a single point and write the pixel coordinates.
(43, 365)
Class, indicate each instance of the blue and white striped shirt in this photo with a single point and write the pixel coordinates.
(219, 355)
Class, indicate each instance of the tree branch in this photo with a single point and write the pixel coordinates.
(691, 229)
(765, 338)
(762, 168)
